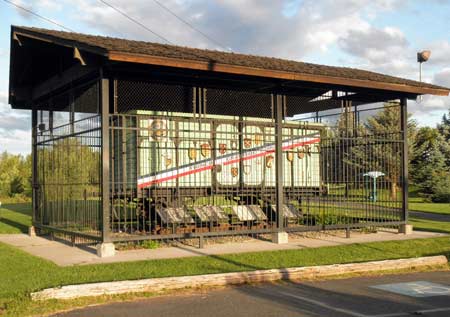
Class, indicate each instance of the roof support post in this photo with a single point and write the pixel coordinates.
(405, 175)
(104, 103)
(34, 179)
(278, 105)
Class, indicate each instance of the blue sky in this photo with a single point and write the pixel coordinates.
(378, 35)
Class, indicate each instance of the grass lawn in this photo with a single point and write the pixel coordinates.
(430, 225)
(418, 203)
(15, 218)
(438, 208)
(22, 273)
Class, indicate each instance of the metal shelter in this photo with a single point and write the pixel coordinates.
(135, 140)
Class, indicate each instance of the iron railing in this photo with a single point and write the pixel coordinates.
(195, 162)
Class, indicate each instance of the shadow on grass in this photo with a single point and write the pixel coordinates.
(21, 208)
(417, 228)
(23, 228)
(221, 258)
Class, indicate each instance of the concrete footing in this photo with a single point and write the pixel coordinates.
(32, 231)
(280, 237)
(405, 229)
(106, 250)
(155, 285)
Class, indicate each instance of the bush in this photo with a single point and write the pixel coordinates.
(16, 186)
(441, 188)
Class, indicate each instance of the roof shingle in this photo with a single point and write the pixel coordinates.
(109, 44)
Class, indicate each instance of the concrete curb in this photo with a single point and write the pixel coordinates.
(173, 283)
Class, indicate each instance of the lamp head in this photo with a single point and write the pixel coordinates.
(423, 56)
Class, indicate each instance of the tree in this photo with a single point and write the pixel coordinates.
(444, 130)
(379, 145)
(444, 127)
(441, 188)
(16, 186)
(15, 175)
(429, 159)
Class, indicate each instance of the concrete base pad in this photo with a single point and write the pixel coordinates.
(280, 237)
(32, 231)
(64, 254)
(405, 229)
(105, 250)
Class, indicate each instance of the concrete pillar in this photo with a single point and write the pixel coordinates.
(106, 250)
(32, 231)
(280, 237)
(405, 229)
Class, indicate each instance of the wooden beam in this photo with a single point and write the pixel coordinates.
(361, 97)
(58, 81)
(258, 72)
(19, 32)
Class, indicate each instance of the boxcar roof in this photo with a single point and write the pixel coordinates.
(131, 51)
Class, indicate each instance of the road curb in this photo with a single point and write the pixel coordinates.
(182, 282)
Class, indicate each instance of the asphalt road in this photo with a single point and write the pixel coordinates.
(430, 216)
(348, 297)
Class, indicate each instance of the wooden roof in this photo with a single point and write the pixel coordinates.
(123, 50)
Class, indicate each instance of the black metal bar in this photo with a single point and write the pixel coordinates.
(104, 99)
(34, 176)
(251, 231)
(405, 174)
(52, 229)
(279, 158)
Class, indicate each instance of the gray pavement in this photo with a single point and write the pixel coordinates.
(428, 295)
(65, 255)
(429, 216)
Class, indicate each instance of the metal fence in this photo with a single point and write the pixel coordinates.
(67, 176)
(199, 162)
(212, 171)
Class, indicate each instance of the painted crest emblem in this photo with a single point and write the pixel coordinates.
(158, 130)
(308, 149)
(247, 169)
(269, 161)
(258, 139)
(205, 149)
(168, 161)
(290, 156)
(192, 153)
(247, 142)
(300, 153)
(222, 148)
(234, 171)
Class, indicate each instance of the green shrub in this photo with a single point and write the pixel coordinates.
(150, 244)
(441, 188)
(16, 186)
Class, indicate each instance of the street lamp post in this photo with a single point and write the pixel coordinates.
(422, 57)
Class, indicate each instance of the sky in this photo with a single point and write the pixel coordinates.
(378, 35)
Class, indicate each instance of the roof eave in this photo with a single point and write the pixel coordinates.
(252, 71)
(58, 41)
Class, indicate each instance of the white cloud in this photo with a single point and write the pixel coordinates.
(443, 77)
(15, 135)
(440, 53)
(385, 50)
(16, 142)
(249, 26)
(290, 29)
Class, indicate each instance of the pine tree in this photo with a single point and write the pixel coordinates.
(429, 158)
(444, 127)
